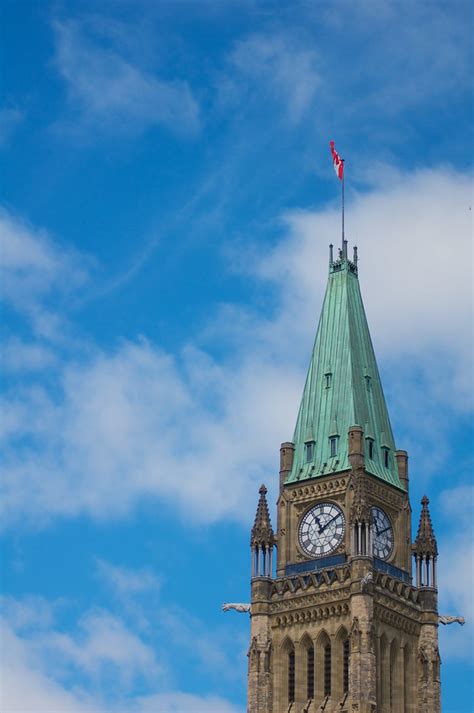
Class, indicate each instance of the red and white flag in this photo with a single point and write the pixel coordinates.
(337, 161)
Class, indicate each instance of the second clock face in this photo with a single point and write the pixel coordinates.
(382, 533)
(321, 530)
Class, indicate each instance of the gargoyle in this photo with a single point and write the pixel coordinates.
(443, 619)
(241, 608)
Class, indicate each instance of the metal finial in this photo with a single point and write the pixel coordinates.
(355, 255)
(331, 256)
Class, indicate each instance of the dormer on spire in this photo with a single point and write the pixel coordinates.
(425, 549)
(262, 538)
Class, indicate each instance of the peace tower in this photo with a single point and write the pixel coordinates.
(342, 625)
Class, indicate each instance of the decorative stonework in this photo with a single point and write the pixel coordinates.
(308, 492)
(356, 636)
(262, 532)
(425, 544)
(310, 616)
(397, 620)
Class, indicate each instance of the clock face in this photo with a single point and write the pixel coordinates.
(321, 530)
(382, 534)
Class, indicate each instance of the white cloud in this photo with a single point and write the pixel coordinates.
(102, 643)
(32, 678)
(127, 581)
(113, 94)
(33, 267)
(456, 571)
(132, 424)
(415, 273)
(139, 599)
(185, 703)
(138, 423)
(415, 260)
(20, 356)
(26, 688)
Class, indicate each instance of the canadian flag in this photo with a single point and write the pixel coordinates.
(337, 161)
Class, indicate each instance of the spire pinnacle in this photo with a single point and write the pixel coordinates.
(262, 532)
(425, 543)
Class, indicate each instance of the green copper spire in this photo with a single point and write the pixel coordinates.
(343, 388)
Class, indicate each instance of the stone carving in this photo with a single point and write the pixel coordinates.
(355, 634)
(360, 509)
(365, 581)
(424, 663)
(444, 619)
(241, 608)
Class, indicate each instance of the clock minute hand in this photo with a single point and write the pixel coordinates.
(328, 523)
(382, 531)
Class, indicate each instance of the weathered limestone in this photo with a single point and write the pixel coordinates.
(308, 618)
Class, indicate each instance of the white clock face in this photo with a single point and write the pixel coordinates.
(321, 530)
(382, 534)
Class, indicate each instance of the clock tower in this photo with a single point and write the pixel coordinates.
(342, 623)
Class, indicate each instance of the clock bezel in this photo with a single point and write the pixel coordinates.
(333, 550)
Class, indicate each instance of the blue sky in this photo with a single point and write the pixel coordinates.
(167, 202)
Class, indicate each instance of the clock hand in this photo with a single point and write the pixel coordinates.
(318, 522)
(328, 523)
(382, 531)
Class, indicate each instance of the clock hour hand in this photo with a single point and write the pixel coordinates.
(318, 522)
(382, 531)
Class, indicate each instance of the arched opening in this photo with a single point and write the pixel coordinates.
(384, 675)
(323, 668)
(408, 694)
(288, 669)
(291, 676)
(327, 670)
(341, 652)
(393, 686)
(345, 666)
(307, 648)
(310, 674)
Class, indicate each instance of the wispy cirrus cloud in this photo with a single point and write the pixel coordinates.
(281, 67)
(110, 93)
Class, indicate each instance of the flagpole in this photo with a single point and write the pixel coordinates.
(342, 201)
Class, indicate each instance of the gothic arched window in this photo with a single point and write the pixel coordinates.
(327, 670)
(291, 676)
(345, 665)
(310, 673)
(392, 673)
